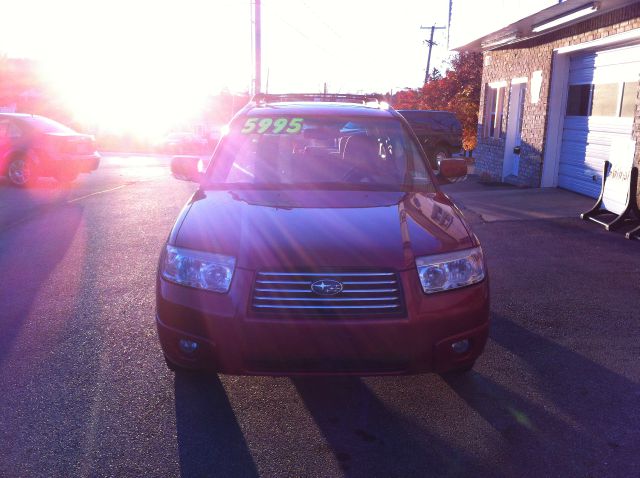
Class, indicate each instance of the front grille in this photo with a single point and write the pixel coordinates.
(363, 293)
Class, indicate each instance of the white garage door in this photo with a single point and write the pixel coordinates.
(600, 106)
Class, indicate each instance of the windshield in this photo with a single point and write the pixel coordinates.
(324, 152)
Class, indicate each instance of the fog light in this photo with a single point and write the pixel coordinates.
(188, 346)
(461, 346)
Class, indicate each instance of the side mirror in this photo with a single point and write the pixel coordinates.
(452, 169)
(186, 168)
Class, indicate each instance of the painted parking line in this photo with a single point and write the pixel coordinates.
(98, 192)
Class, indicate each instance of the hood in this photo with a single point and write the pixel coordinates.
(282, 230)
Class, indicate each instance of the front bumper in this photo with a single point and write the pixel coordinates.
(231, 340)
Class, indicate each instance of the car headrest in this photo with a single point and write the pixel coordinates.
(361, 148)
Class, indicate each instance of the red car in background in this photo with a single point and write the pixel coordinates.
(319, 242)
(33, 146)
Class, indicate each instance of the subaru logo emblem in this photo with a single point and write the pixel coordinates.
(326, 287)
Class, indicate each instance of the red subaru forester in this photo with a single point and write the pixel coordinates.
(319, 242)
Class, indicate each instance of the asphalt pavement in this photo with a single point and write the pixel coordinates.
(85, 391)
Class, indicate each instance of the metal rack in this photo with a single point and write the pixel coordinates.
(264, 98)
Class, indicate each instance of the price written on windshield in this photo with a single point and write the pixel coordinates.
(272, 126)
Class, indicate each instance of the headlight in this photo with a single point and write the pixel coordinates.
(450, 271)
(201, 270)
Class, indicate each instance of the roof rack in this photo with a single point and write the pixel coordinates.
(320, 97)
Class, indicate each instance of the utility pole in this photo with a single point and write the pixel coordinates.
(258, 48)
(449, 22)
(431, 43)
(266, 87)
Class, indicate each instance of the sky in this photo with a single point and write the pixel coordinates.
(464, 31)
(141, 61)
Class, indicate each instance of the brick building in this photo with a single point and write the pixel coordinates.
(560, 83)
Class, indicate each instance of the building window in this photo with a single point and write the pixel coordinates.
(602, 99)
(629, 95)
(605, 100)
(494, 105)
(578, 100)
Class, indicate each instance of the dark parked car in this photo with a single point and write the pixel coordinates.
(439, 132)
(318, 242)
(32, 146)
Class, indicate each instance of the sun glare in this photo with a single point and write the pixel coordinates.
(146, 77)
(144, 102)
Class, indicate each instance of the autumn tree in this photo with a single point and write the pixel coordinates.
(457, 91)
(25, 89)
(223, 106)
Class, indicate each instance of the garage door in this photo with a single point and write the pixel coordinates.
(600, 106)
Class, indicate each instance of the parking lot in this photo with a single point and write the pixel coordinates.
(85, 391)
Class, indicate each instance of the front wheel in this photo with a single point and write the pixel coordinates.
(20, 172)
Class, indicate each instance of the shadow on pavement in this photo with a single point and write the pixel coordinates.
(44, 183)
(370, 440)
(210, 441)
(30, 269)
(590, 427)
(18, 205)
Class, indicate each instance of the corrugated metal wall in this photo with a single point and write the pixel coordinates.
(586, 139)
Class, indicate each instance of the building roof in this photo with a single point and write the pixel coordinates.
(543, 22)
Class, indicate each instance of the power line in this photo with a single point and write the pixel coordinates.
(295, 29)
(316, 16)
(302, 34)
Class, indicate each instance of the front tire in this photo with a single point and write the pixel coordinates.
(20, 172)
